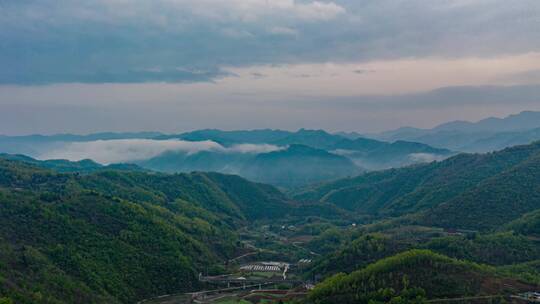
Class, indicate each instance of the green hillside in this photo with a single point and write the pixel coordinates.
(107, 235)
(452, 193)
(493, 202)
(62, 165)
(414, 274)
(357, 254)
(205, 190)
(117, 236)
(494, 249)
(528, 224)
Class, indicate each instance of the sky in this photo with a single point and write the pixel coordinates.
(74, 66)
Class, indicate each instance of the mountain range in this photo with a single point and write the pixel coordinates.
(486, 135)
(307, 156)
(282, 158)
(272, 151)
(80, 232)
(445, 194)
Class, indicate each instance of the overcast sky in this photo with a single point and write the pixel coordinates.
(83, 66)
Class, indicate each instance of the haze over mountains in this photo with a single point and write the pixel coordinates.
(118, 234)
(489, 134)
(445, 193)
(292, 152)
(110, 217)
(282, 158)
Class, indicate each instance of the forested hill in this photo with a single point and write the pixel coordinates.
(412, 277)
(471, 191)
(298, 165)
(116, 236)
(62, 165)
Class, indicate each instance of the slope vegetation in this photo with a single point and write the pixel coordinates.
(118, 237)
(429, 274)
(469, 191)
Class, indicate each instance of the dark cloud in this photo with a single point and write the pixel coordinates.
(99, 41)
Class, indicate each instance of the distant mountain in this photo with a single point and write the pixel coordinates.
(314, 138)
(62, 165)
(468, 191)
(377, 155)
(79, 138)
(486, 135)
(350, 135)
(33, 145)
(502, 140)
(364, 145)
(523, 121)
(293, 166)
(318, 139)
(178, 161)
(306, 156)
(232, 154)
(298, 165)
(228, 138)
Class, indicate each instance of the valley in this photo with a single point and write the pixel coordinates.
(252, 279)
(269, 152)
(460, 229)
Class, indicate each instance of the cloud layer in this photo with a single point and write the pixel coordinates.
(128, 150)
(177, 65)
(99, 41)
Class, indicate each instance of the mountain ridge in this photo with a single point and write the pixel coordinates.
(430, 187)
(472, 136)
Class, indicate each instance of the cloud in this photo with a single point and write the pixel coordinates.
(257, 75)
(128, 150)
(317, 10)
(174, 109)
(119, 41)
(362, 71)
(524, 77)
(253, 148)
(281, 30)
(424, 157)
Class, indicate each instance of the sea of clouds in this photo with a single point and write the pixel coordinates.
(129, 150)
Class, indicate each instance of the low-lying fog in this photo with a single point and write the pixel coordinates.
(128, 150)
